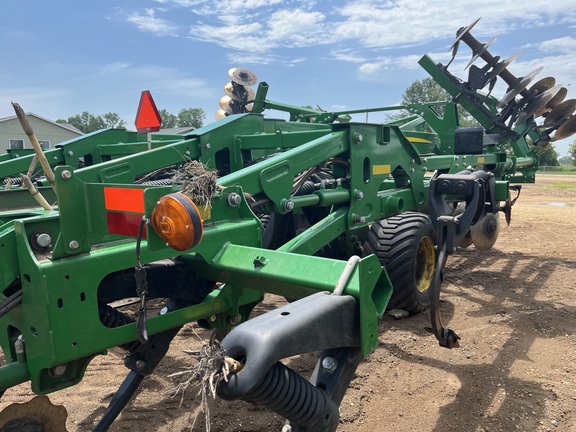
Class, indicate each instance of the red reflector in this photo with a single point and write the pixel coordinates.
(147, 118)
(124, 199)
(126, 224)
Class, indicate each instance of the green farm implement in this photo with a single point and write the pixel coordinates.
(342, 218)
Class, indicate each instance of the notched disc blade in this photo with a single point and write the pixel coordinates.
(542, 85)
(38, 410)
(560, 111)
(520, 85)
(462, 32)
(499, 67)
(479, 51)
(536, 104)
(557, 100)
(485, 232)
(554, 102)
(566, 129)
(242, 76)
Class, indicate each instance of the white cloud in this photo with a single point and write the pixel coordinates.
(565, 44)
(348, 55)
(241, 37)
(296, 27)
(149, 22)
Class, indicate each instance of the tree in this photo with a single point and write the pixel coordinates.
(113, 120)
(87, 122)
(191, 117)
(169, 120)
(428, 90)
(572, 153)
(547, 155)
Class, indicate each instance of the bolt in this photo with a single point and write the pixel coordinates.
(207, 146)
(140, 364)
(329, 364)
(359, 195)
(66, 174)
(43, 240)
(411, 170)
(444, 186)
(213, 318)
(461, 186)
(74, 244)
(288, 205)
(359, 219)
(70, 153)
(358, 138)
(234, 199)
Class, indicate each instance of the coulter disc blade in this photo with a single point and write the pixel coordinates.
(242, 76)
(220, 114)
(485, 232)
(224, 103)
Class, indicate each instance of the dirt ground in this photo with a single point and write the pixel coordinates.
(513, 306)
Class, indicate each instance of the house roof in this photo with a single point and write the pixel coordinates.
(62, 125)
(178, 130)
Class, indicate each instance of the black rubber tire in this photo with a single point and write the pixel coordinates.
(404, 244)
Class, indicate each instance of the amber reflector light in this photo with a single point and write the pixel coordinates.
(177, 221)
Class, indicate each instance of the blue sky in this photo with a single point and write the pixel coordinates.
(65, 57)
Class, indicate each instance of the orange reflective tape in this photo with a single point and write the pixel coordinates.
(124, 199)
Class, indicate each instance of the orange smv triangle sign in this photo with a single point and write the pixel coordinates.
(147, 118)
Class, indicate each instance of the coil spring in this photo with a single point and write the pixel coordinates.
(13, 181)
(160, 182)
(296, 399)
(113, 318)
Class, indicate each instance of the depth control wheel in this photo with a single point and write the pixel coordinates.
(404, 245)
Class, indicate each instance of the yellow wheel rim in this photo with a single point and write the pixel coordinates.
(425, 264)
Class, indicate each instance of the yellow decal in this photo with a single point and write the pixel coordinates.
(381, 169)
(480, 159)
(419, 140)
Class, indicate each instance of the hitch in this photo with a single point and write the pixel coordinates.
(319, 322)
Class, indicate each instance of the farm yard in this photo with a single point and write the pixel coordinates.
(513, 306)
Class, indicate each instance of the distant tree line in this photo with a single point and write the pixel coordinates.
(88, 122)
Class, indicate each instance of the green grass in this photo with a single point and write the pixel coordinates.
(566, 186)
